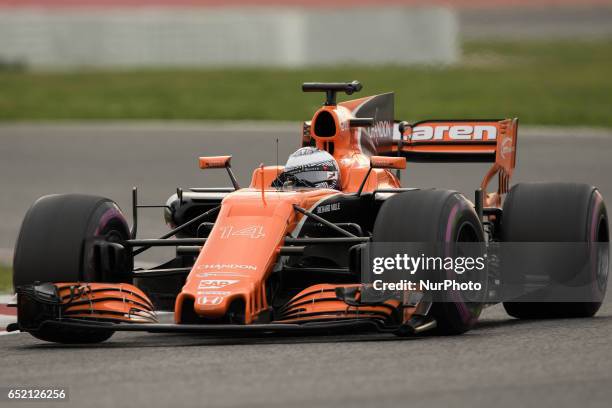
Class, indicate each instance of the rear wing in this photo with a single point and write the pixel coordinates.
(456, 141)
(492, 141)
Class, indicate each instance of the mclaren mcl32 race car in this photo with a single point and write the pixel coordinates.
(287, 253)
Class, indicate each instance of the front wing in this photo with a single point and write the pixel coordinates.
(107, 307)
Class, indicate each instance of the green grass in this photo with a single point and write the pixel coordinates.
(557, 83)
(6, 279)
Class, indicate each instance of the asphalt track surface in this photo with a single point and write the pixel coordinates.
(503, 362)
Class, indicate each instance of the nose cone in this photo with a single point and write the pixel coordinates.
(232, 267)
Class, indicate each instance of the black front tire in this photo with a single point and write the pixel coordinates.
(434, 216)
(56, 244)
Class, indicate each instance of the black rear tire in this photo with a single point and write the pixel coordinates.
(55, 244)
(434, 216)
(557, 212)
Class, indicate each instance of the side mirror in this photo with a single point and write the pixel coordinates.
(220, 162)
(384, 162)
(215, 162)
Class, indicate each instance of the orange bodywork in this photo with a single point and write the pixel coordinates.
(241, 249)
(243, 246)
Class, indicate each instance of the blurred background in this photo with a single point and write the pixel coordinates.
(546, 61)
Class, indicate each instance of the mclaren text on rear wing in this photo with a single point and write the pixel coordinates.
(457, 141)
(492, 141)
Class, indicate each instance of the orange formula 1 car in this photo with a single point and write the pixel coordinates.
(284, 255)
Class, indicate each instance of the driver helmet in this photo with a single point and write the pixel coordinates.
(310, 167)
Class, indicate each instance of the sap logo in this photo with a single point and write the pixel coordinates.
(459, 132)
(228, 266)
(210, 300)
(215, 283)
